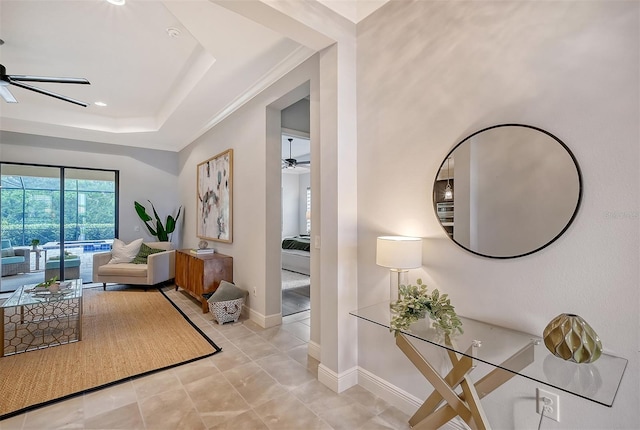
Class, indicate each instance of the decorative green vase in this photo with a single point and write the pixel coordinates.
(569, 337)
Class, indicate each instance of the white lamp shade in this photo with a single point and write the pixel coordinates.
(399, 252)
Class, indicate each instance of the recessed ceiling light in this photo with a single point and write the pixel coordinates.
(101, 104)
(173, 32)
(117, 2)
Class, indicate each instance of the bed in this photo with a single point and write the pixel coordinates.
(296, 254)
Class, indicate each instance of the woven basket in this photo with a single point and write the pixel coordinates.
(226, 311)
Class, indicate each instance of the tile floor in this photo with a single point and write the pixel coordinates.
(263, 379)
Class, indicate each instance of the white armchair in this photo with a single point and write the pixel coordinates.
(160, 267)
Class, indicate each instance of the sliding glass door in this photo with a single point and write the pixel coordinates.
(54, 229)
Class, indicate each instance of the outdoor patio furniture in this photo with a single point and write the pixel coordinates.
(71, 268)
(14, 260)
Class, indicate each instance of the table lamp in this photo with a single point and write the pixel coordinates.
(398, 253)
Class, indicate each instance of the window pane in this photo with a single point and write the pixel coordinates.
(30, 201)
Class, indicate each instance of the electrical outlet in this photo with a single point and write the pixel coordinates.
(549, 402)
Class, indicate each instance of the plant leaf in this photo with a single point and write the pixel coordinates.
(142, 212)
(171, 222)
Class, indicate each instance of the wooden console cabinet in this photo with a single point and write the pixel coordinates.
(200, 274)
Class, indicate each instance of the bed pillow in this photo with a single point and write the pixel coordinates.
(226, 291)
(144, 253)
(124, 253)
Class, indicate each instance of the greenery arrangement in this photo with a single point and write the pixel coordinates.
(48, 283)
(159, 230)
(415, 303)
(35, 242)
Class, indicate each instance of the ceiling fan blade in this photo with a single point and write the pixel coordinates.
(303, 162)
(29, 78)
(6, 95)
(48, 93)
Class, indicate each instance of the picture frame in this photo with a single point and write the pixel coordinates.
(214, 194)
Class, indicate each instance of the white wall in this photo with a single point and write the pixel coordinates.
(431, 73)
(290, 205)
(296, 116)
(144, 174)
(334, 181)
(256, 191)
(294, 203)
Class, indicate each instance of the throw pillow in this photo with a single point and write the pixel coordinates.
(8, 252)
(144, 253)
(124, 253)
(226, 291)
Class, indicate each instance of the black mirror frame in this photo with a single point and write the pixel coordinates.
(573, 215)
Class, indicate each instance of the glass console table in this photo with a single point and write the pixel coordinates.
(507, 352)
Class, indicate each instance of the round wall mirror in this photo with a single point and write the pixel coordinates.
(507, 191)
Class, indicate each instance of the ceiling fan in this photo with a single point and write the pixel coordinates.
(17, 80)
(292, 162)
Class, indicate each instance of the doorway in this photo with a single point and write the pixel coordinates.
(296, 223)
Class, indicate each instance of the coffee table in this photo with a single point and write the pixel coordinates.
(40, 319)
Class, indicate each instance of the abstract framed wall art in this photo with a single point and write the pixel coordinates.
(215, 198)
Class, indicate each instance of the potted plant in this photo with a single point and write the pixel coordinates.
(35, 243)
(415, 303)
(159, 230)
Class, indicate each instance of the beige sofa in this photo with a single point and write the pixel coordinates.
(160, 267)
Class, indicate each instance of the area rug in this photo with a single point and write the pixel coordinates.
(127, 333)
(293, 280)
(295, 300)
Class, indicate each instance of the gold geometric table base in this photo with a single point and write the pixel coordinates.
(433, 413)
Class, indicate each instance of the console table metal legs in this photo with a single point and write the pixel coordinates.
(467, 403)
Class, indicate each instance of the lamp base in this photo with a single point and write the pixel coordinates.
(398, 277)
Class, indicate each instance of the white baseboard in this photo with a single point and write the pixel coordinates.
(393, 395)
(256, 317)
(313, 349)
(272, 320)
(338, 382)
(399, 398)
(262, 320)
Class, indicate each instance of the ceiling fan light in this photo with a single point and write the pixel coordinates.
(117, 2)
(6, 95)
(448, 192)
(101, 104)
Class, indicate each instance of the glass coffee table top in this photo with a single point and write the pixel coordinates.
(29, 295)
